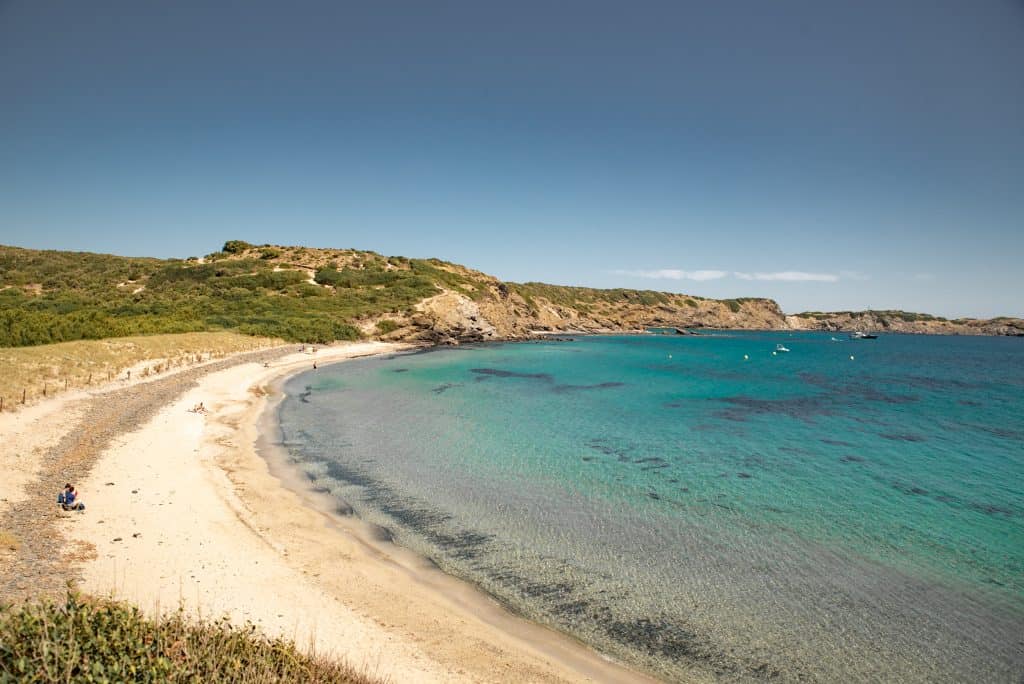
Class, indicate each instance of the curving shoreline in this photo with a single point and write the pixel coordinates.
(446, 593)
(194, 515)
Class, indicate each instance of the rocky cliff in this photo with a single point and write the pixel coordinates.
(485, 308)
(904, 322)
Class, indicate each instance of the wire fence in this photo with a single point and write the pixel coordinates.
(53, 385)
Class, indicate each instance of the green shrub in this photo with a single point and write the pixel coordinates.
(387, 326)
(236, 246)
(85, 640)
(733, 305)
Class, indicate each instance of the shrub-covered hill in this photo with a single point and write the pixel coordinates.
(48, 296)
(317, 295)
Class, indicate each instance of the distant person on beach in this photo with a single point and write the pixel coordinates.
(314, 365)
(68, 499)
(198, 408)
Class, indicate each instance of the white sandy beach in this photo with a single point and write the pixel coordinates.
(184, 511)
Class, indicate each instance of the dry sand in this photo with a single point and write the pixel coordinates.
(184, 511)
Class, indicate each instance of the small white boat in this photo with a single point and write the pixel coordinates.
(781, 348)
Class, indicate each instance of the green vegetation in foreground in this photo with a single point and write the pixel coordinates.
(87, 640)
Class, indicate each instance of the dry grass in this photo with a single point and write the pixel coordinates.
(93, 362)
(87, 640)
(8, 542)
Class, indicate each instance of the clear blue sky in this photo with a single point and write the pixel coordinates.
(831, 155)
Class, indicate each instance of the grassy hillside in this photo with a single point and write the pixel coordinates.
(297, 294)
(51, 368)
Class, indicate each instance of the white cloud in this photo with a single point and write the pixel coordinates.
(674, 274)
(709, 274)
(789, 276)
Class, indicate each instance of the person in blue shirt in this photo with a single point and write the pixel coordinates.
(68, 499)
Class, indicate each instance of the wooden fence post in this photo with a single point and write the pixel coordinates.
(65, 384)
(1, 404)
(44, 389)
(89, 381)
(23, 395)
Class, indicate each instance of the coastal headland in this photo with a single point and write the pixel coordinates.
(303, 294)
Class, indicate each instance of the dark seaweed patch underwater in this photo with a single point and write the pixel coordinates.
(802, 517)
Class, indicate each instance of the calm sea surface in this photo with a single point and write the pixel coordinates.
(803, 515)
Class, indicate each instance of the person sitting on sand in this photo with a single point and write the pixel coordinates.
(68, 499)
(198, 408)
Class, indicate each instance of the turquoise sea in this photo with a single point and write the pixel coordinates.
(699, 504)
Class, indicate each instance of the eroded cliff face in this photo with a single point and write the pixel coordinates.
(496, 311)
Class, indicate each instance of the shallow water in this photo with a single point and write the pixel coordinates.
(800, 515)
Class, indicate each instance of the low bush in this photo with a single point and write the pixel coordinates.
(387, 326)
(236, 246)
(87, 640)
